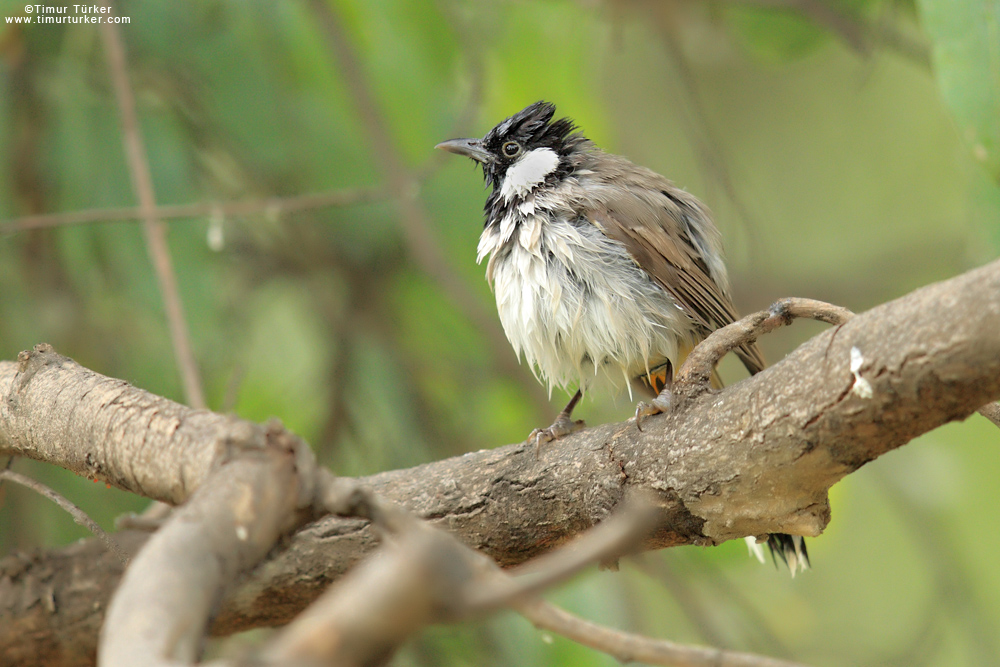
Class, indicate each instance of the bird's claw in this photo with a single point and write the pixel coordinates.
(561, 427)
(662, 403)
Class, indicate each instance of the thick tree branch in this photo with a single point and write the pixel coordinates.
(160, 612)
(422, 575)
(755, 458)
(56, 411)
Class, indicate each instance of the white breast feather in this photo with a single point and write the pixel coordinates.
(605, 317)
(507, 226)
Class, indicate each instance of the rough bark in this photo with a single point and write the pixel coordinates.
(755, 458)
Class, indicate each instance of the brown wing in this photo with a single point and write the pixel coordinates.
(671, 236)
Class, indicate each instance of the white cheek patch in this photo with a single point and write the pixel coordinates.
(528, 173)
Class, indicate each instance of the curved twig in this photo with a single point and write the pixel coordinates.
(694, 375)
(79, 516)
(607, 541)
(630, 647)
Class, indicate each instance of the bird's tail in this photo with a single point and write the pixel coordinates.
(791, 549)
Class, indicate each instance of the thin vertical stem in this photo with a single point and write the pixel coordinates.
(154, 228)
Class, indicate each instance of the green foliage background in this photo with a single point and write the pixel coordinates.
(849, 155)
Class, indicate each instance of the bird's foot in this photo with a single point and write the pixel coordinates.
(561, 427)
(664, 402)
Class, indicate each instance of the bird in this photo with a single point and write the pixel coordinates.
(604, 272)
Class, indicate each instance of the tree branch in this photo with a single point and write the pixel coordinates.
(155, 230)
(271, 206)
(628, 647)
(992, 412)
(79, 516)
(755, 458)
(422, 575)
(160, 612)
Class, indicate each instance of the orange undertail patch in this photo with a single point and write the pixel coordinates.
(662, 374)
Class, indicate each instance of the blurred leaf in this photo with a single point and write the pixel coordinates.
(797, 28)
(966, 39)
(546, 51)
(776, 34)
(408, 51)
(284, 356)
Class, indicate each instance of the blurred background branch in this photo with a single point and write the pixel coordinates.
(154, 229)
(271, 208)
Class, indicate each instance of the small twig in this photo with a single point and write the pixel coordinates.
(608, 540)
(697, 368)
(693, 376)
(630, 647)
(155, 230)
(268, 206)
(79, 516)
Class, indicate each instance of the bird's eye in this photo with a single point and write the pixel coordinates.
(511, 148)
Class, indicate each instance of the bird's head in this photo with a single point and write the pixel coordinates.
(522, 151)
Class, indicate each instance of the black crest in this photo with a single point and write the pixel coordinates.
(532, 128)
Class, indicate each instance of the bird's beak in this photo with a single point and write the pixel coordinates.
(471, 148)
